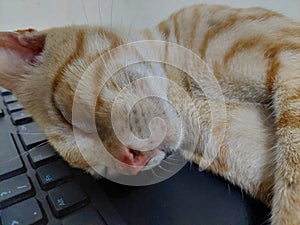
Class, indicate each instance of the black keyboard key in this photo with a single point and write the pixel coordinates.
(14, 190)
(9, 99)
(27, 212)
(53, 174)
(31, 135)
(20, 117)
(10, 161)
(4, 92)
(13, 107)
(40, 155)
(66, 198)
(83, 217)
(2, 114)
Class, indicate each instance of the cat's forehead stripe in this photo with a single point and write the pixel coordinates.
(79, 50)
(176, 25)
(196, 19)
(164, 29)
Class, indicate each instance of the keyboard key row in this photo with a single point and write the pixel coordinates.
(53, 174)
(13, 107)
(32, 213)
(62, 200)
(14, 190)
(40, 155)
(4, 92)
(10, 161)
(27, 212)
(2, 114)
(20, 117)
(9, 99)
(31, 135)
(17, 203)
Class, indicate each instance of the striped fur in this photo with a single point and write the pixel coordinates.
(255, 56)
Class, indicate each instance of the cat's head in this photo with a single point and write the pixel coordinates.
(50, 70)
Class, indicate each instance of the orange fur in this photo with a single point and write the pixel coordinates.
(255, 56)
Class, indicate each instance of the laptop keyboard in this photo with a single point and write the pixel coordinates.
(37, 186)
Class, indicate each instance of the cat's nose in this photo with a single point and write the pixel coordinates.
(132, 161)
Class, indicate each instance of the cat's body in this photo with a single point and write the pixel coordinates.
(253, 53)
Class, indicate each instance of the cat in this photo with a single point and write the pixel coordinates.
(253, 53)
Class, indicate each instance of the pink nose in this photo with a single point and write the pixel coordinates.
(133, 160)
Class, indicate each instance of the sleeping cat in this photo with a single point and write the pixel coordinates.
(254, 136)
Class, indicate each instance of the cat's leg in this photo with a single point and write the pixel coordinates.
(285, 84)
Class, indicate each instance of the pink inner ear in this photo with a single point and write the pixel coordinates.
(26, 46)
(17, 51)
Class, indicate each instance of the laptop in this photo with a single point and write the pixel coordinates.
(37, 187)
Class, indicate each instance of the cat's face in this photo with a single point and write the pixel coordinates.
(94, 123)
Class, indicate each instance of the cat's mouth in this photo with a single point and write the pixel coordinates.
(155, 160)
(134, 161)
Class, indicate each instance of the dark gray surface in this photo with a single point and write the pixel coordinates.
(188, 198)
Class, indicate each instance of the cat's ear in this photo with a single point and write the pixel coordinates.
(18, 50)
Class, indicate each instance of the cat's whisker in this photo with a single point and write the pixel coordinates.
(98, 40)
(32, 149)
(29, 133)
(164, 169)
(175, 156)
(37, 146)
(268, 118)
(105, 65)
(26, 152)
(267, 221)
(111, 15)
(177, 161)
(99, 12)
(129, 82)
(229, 189)
(191, 164)
(155, 174)
(119, 87)
(9, 75)
(84, 11)
(170, 163)
(242, 193)
(17, 132)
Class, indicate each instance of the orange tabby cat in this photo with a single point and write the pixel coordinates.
(253, 53)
